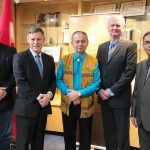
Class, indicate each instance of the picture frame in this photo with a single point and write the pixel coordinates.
(104, 8)
(54, 51)
(133, 8)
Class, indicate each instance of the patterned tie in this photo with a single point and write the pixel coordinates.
(111, 49)
(38, 62)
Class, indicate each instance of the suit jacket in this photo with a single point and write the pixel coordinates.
(6, 76)
(141, 96)
(30, 84)
(118, 72)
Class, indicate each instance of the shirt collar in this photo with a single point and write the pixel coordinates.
(34, 54)
(115, 42)
(81, 55)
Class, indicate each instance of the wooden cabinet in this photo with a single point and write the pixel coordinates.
(54, 121)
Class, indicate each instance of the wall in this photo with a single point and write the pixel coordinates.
(27, 15)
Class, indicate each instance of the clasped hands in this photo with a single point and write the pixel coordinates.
(104, 94)
(44, 99)
(74, 96)
(3, 92)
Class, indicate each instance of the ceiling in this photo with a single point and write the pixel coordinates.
(26, 1)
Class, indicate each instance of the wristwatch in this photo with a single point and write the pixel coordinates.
(50, 93)
(79, 93)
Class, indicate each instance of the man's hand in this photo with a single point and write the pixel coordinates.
(77, 101)
(3, 92)
(104, 94)
(134, 121)
(44, 99)
(73, 95)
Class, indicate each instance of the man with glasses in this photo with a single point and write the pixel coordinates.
(78, 77)
(141, 97)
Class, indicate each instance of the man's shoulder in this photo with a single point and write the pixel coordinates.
(90, 56)
(125, 41)
(7, 48)
(22, 54)
(141, 63)
(104, 44)
(47, 58)
(68, 56)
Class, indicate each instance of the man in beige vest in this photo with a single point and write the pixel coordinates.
(78, 77)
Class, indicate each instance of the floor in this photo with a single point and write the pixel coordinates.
(53, 142)
(56, 142)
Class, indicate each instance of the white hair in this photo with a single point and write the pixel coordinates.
(117, 17)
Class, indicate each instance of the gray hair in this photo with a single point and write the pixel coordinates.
(35, 29)
(117, 17)
(81, 32)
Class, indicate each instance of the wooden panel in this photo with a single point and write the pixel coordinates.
(134, 138)
(54, 121)
(96, 28)
(97, 128)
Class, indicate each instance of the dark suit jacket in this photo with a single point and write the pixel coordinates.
(118, 73)
(30, 84)
(141, 96)
(6, 76)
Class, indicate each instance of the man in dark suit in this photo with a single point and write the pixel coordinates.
(7, 95)
(34, 73)
(117, 63)
(141, 97)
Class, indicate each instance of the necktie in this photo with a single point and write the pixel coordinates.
(38, 62)
(111, 49)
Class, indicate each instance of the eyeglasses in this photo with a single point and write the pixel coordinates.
(146, 43)
(80, 42)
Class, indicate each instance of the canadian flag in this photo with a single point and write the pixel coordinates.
(7, 37)
(6, 24)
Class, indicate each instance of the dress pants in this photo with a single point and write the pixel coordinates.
(30, 130)
(116, 127)
(144, 138)
(5, 129)
(70, 125)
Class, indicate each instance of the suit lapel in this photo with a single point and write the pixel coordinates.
(44, 64)
(144, 73)
(33, 63)
(105, 52)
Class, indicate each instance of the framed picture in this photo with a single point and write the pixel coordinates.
(53, 51)
(104, 8)
(133, 8)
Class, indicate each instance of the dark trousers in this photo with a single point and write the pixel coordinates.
(30, 130)
(116, 128)
(5, 129)
(144, 138)
(70, 125)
